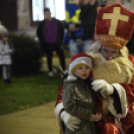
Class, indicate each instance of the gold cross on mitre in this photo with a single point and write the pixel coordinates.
(115, 17)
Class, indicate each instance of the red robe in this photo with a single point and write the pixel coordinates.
(108, 125)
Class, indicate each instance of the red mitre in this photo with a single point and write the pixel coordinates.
(114, 26)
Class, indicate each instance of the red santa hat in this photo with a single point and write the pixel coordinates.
(80, 58)
(114, 25)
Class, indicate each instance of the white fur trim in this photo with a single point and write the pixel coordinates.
(70, 77)
(123, 99)
(95, 48)
(119, 124)
(58, 108)
(84, 60)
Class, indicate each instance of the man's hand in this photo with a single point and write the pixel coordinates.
(70, 121)
(103, 86)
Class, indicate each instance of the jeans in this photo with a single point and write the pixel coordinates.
(74, 48)
(6, 71)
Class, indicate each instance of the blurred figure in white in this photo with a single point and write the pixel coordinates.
(6, 49)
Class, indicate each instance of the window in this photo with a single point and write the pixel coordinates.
(57, 8)
(60, 9)
(37, 10)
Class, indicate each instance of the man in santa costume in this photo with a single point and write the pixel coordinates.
(113, 73)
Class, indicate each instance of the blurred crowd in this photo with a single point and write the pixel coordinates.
(75, 34)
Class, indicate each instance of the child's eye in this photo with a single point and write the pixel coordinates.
(87, 67)
(80, 67)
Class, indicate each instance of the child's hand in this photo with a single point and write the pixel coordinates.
(96, 117)
(10, 51)
(79, 22)
(72, 27)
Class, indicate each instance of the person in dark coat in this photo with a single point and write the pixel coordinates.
(130, 45)
(50, 33)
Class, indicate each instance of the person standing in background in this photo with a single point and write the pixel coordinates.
(50, 33)
(130, 44)
(87, 18)
(6, 50)
(72, 13)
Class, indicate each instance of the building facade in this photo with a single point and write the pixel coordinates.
(21, 15)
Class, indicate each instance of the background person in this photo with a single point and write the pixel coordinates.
(50, 33)
(72, 14)
(113, 73)
(87, 18)
(6, 50)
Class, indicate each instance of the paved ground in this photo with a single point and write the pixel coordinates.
(37, 120)
(55, 62)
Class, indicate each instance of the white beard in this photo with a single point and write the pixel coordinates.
(112, 71)
(118, 70)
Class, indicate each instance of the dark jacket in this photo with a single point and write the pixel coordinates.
(79, 100)
(41, 34)
(130, 45)
(88, 17)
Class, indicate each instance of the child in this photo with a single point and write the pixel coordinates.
(78, 97)
(72, 16)
(6, 49)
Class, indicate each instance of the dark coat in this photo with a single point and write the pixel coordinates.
(79, 100)
(41, 34)
(130, 45)
(88, 17)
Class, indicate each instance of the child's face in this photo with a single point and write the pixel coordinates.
(82, 71)
(47, 15)
(5, 39)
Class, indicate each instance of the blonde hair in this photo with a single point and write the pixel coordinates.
(74, 68)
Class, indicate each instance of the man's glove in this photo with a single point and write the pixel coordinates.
(70, 121)
(103, 86)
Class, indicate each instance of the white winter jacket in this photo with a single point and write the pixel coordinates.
(5, 55)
